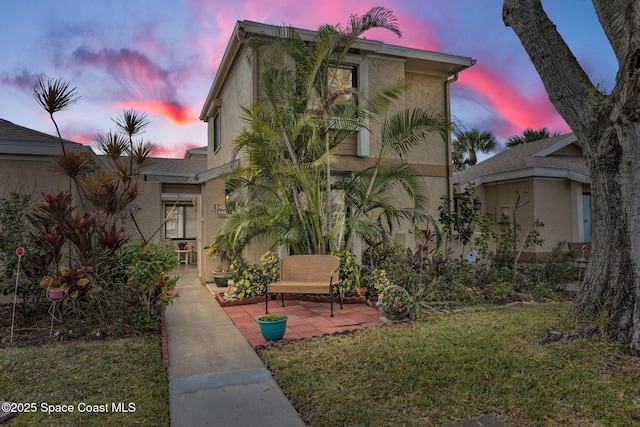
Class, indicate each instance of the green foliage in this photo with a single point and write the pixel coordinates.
(377, 280)
(598, 97)
(14, 229)
(350, 275)
(272, 317)
(530, 135)
(459, 224)
(555, 269)
(250, 280)
(487, 235)
(149, 286)
(468, 143)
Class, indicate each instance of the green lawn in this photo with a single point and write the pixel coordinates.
(457, 367)
(87, 373)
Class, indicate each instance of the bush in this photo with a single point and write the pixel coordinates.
(250, 280)
(149, 287)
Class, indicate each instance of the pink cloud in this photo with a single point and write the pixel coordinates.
(503, 97)
(178, 114)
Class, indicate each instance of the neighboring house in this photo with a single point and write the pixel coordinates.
(553, 179)
(374, 64)
(25, 158)
(167, 189)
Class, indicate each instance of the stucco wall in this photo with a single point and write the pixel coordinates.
(548, 200)
(150, 215)
(31, 177)
(553, 206)
(211, 223)
(236, 93)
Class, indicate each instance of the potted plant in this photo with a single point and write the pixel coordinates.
(395, 302)
(273, 326)
(222, 249)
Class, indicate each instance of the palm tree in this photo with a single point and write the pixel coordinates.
(469, 143)
(370, 194)
(530, 135)
(285, 194)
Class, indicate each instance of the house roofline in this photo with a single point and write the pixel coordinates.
(215, 172)
(569, 139)
(452, 63)
(533, 172)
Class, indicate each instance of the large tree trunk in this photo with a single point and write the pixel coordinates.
(609, 129)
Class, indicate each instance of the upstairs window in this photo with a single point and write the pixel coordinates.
(216, 131)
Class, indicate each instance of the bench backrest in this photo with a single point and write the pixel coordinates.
(309, 268)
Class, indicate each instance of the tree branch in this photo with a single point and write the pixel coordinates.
(617, 18)
(563, 78)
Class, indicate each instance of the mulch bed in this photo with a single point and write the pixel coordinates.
(33, 330)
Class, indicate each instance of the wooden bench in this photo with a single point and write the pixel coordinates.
(306, 274)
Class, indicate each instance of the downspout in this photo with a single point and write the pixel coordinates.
(447, 112)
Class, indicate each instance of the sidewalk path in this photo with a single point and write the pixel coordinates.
(215, 376)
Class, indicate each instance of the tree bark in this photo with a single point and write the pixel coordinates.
(608, 128)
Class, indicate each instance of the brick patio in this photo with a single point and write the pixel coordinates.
(306, 319)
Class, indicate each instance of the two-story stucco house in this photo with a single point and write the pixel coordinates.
(373, 64)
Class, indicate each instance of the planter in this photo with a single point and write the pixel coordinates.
(395, 315)
(221, 278)
(394, 303)
(273, 330)
(55, 294)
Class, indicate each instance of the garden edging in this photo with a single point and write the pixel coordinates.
(311, 298)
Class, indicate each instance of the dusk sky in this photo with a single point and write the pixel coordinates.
(160, 57)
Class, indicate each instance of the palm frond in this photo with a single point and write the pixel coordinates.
(54, 94)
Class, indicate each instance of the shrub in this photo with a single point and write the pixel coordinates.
(149, 287)
(250, 280)
(376, 282)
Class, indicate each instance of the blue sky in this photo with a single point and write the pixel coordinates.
(160, 57)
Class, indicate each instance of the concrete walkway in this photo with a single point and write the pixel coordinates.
(215, 376)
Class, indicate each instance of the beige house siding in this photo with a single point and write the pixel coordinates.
(149, 218)
(32, 177)
(552, 203)
(236, 93)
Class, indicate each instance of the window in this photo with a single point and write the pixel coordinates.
(216, 131)
(344, 78)
(181, 221)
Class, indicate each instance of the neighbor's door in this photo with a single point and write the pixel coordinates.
(586, 206)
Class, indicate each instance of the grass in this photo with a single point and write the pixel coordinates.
(458, 367)
(101, 372)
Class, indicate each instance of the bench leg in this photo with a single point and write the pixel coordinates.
(266, 302)
(282, 298)
(331, 302)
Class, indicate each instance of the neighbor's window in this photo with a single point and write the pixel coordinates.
(216, 131)
(181, 221)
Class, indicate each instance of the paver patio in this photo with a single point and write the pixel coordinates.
(306, 319)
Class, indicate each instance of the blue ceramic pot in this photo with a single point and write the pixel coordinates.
(273, 331)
